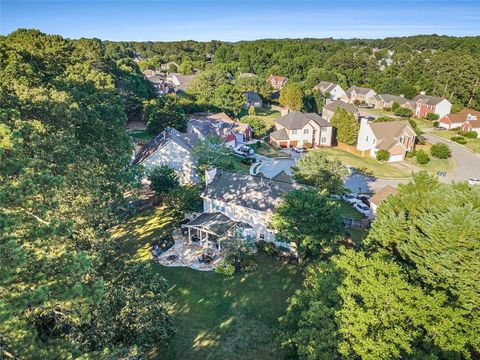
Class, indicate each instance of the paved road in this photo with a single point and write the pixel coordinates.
(467, 163)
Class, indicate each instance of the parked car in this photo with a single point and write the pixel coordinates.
(351, 170)
(362, 208)
(364, 198)
(298, 149)
(473, 181)
(350, 198)
(245, 149)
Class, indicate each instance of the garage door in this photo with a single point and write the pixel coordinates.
(293, 143)
(283, 144)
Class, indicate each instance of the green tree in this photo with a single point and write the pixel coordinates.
(229, 99)
(163, 179)
(258, 125)
(315, 169)
(422, 157)
(291, 96)
(403, 112)
(346, 126)
(205, 84)
(296, 220)
(186, 68)
(252, 111)
(383, 155)
(440, 151)
(432, 116)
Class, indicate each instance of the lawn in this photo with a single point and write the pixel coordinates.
(268, 115)
(367, 165)
(433, 166)
(267, 150)
(238, 166)
(378, 112)
(216, 317)
(348, 211)
(140, 135)
(472, 144)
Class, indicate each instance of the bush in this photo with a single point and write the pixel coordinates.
(248, 161)
(225, 268)
(432, 116)
(435, 124)
(383, 155)
(267, 248)
(248, 265)
(440, 151)
(422, 157)
(471, 134)
(459, 139)
(403, 112)
(411, 154)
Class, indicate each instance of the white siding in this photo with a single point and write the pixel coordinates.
(443, 108)
(366, 139)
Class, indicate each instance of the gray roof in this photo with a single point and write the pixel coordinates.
(358, 90)
(252, 96)
(283, 177)
(394, 98)
(248, 191)
(297, 120)
(325, 86)
(428, 99)
(334, 105)
(169, 134)
(216, 222)
(156, 79)
(280, 134)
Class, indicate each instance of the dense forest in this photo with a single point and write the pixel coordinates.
(409, 291)
(439, 65)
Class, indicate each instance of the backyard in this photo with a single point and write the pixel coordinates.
(367, 165)
(267, 150)
(216, 317)
(268, 115)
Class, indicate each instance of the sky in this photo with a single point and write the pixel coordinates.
(230, 20)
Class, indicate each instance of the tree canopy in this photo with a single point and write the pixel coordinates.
(346, 126)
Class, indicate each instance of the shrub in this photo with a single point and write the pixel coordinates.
(248, 161)
(248, 265)
(459, 139)
(440, 151)
(411, 154)
(403, 112)
(383, 155)
(422, 157)
(432, 116)
(267, 248)
(471, 134)
(225, 268)
(435, 124)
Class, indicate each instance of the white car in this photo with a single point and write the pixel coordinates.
(243, 150)
(350, 198)
(362, 208)
(473, 181)
(351, 170)
(298, 149)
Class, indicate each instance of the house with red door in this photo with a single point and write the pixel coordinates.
(431, 104)
(277, 82)
(456, 121)
(221, 126)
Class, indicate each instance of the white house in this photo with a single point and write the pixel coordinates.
(397, 137)
(431, 104)
(178, 81)
(357, 94)
(173, 149)
(457, 120)
(245, 199)
(302, 130)
(336, 92)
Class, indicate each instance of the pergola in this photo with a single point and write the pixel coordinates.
(209, 225)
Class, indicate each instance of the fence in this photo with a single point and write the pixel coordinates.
(355, 223)
(351, 149)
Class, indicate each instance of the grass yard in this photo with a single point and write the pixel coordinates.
(140, 135)
(367, 165)
(267, 150)
(433, 166)
(268, 115)
(238, 166)
(423, 123)
(378, 112)
(472, 144)
(216, 317)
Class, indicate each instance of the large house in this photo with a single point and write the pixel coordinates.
(386, 101)
(455, 121)
(173, 149)
(397, 137)
(167, 65)
(277, 82)
(431, 104)
(302, 130)
(244, 199)
(232, 133)
(329, 109)
(379, 197)
(252, 99)
(159, 84)
(335, 91)
(357, 94)
(180, 82)
(472, 122)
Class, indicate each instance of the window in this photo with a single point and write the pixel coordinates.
(366, 139)
(374, 140)
(305, 131)
(323, 140)
(294, 132)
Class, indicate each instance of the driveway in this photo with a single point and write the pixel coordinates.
(271, 167)
(467, 163)
(362, 183)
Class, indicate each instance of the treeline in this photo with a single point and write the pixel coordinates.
(440, 65)
(64, 169)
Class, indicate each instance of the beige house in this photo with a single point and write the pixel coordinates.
(357, 94)
(334, 91)
(385, 101)
(301, 130)
(245, 199)
(173, 149)
(376, 199)
(397, 137)
(329, 109)
(277, 82)
(178, 81)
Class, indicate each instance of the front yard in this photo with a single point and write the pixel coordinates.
(472, 144)
(216, 317)
(367, 165)
(267, 150)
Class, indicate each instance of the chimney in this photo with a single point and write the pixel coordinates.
(210, 175)
(422, 92)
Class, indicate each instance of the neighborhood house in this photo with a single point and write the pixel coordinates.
(357, 94)
(335, 91)
(173, 149)
(458, 120)
(376, 199)
(397, 137)
(221, 126)
(252, 99)
(301, 130)
(277, 82)
(385, 101)
(431, 104)
(179, 82)
(329, 109)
